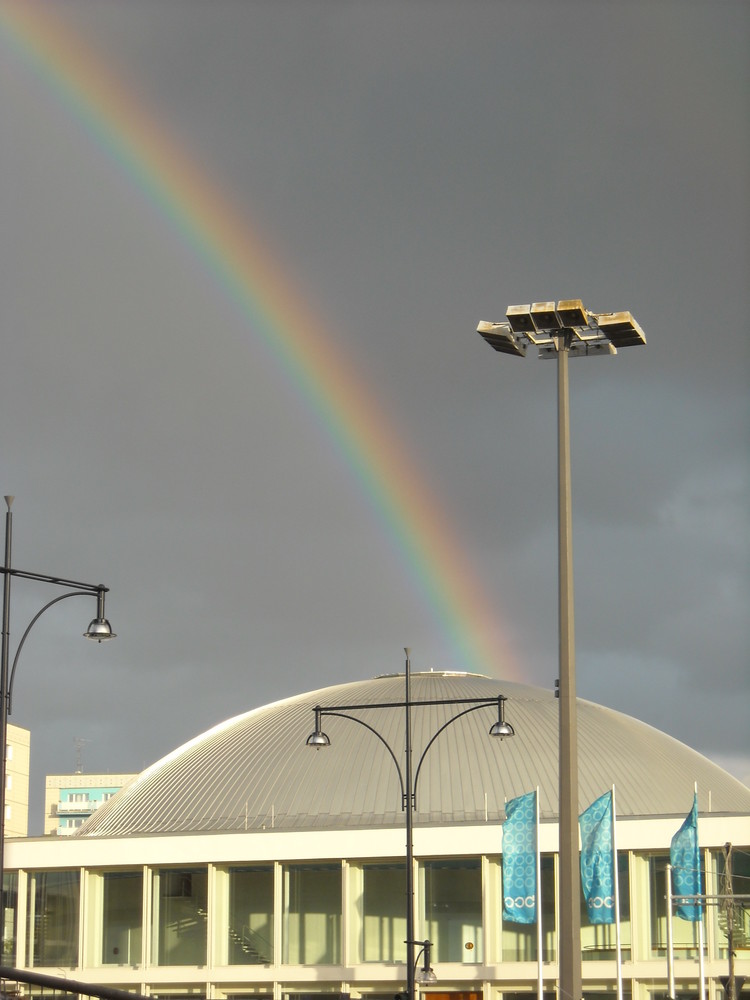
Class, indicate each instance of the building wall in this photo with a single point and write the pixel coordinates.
(17, 782)
(282, 914)
(69, 799)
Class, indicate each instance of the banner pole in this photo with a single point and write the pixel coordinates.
(670, 943)
(539, 955)
(701, 968)
(618, 940)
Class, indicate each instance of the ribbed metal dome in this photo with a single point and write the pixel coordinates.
(255, 771)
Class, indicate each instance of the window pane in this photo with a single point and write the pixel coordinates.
(312, 915)
(453, 909)
(9, 919)
(520, 940)
(234, 994)
(610, 993)
(732, 914)
(179, 993)
(527, 995)
(383, 913)
(684, 932)
(53, 919)
(122, 909)
(328, 994)
(250, 929)
(179, 916)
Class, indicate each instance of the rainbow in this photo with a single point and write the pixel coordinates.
(407, 511)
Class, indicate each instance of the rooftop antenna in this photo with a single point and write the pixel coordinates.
(79, 743)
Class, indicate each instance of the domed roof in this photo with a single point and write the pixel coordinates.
(255, 772)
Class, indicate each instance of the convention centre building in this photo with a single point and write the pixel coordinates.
(250, 864)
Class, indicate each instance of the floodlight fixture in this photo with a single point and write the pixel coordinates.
(545, 318)
(550, 326)
(572, 313)
(501, 337)
(519, 318)
(621, 329)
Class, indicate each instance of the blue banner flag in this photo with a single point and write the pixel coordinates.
(685, 858)
(519, 860)
(598, 866)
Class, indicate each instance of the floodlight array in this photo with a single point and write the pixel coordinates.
(549, 325)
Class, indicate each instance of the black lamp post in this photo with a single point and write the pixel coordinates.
(99, 630)
(408, 779)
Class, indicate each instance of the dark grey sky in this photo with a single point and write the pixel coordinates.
(414, 168)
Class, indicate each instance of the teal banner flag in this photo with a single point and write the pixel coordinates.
(685, 858)
(519, 860)
(598, 864)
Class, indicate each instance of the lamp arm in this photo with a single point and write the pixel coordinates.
(455, 718)
(361, 722)
(37, 616)
(59, 581)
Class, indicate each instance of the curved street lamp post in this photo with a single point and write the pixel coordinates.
(408, 779)
(562, 330)
(99, 630)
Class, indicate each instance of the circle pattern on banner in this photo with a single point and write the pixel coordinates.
(519, 859)
(597, 853)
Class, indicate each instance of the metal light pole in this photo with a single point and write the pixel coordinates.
(565, 330)
(99, 630)
(570, 914)
(408, 779)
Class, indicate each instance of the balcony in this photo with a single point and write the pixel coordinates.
(77, 808)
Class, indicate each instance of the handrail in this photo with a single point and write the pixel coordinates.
(66, 985)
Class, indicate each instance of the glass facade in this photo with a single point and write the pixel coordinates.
(9, 917)
(248, 931)
(122, 918)
(452, 893)
(519, 941)
(381, 907)
(731, 909)
(684, 932)
(52, 919)
(312, 915)
(179, 916)
(599, 941)
(601, 992)
(309, 927)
